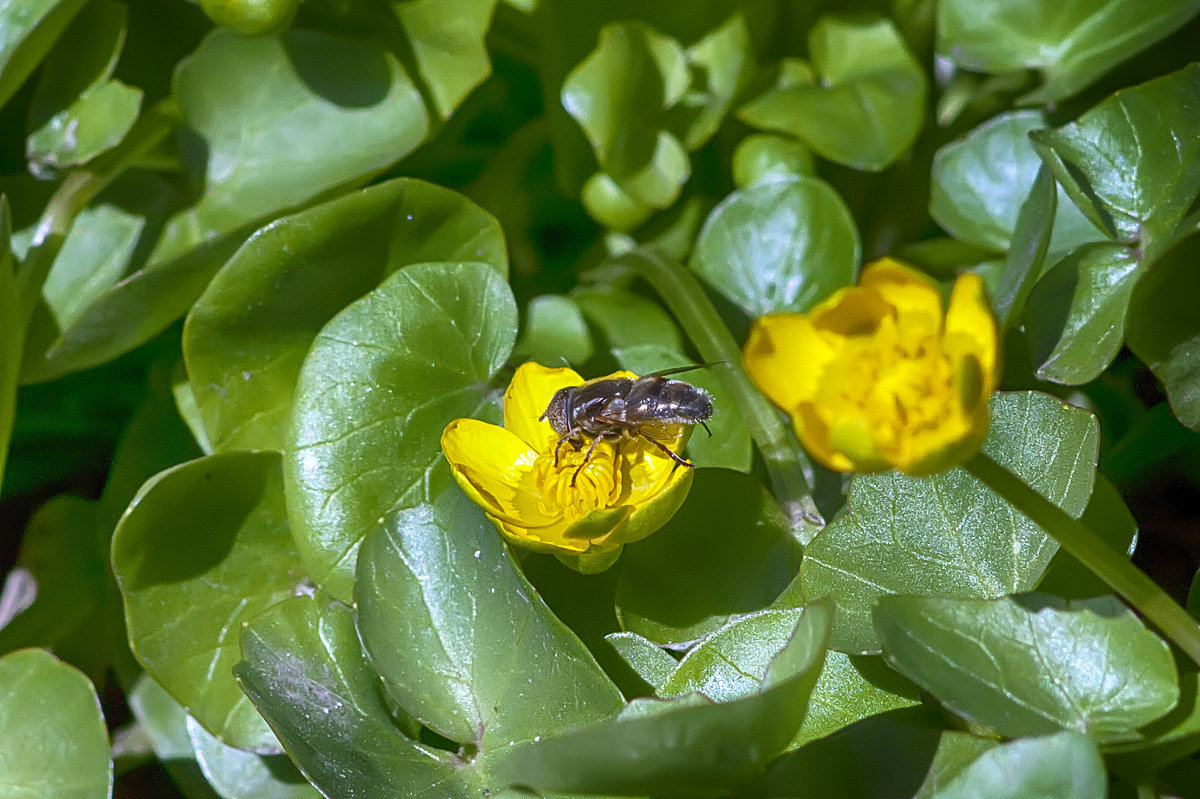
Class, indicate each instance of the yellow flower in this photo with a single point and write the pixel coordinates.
(878, 376)
(625, 491)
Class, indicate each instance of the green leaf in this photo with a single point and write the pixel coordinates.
(12, 335)
(1132, 163)
(246, 337)
(626, 319)
(763, 157)
(83, 57)
(1167, 739)
(865, 104)
(164, 723)
(382, 380)
(619, 95)
(850, 689)
(28, 30)
(778, 246)
(447, 40)
(728, 551)
(1070, 43)
(981, 180)
(948, 535)
(305, 670)
(1163, 329)
(1032, 664)
(54, 742)
(554, 331)
(1107, 516)
(1062, 766)
(461, 639)
(725, 58)
(204, 547)
(1027, 254)
(96, 122)
(1075, 314)
(286, 118)
(244, 775)
(729, 446)
(652, 663)
(684, 747)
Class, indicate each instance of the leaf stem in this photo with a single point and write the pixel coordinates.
(781, 452)
(1140, 591)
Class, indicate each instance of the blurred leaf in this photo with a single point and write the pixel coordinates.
(1075, 314)
(286, 118)
(96, 122)
(981, 180)
(305, 670)
(725, 58)
(12, 335)
(28, 29)
(956, 750)
(852, 688)
(461, 639)
(684, 747)
(84, 56)
(1132, 163)
(62, 557)
(1062, 766)
(728, 551)
(1107, 516)
(778, 246)
(626, 319)
(862, 103)
(619, 95)
(762, 157)
(246, 337)
(729, 446)
(1032, 664)
(948, 535)
(54, 743)
(554, 331)
(651, 662)
(447, 38)
(244, 775)
(1164, 330)
(382, 380)
(164, 722)
(1070, 43)
(204, 547)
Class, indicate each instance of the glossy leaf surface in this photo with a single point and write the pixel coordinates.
(947, 534)
(382, 380)
(1062, 766)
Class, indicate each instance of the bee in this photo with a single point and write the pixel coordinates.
(650, 407)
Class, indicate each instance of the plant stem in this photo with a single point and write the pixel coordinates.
(1085, 546)
(781, 452)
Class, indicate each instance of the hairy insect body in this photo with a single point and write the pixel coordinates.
(651, 407)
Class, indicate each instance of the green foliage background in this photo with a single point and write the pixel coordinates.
(254, 256)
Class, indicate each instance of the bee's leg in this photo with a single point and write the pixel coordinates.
(570, 436)
(666, 450)
(705, 426)
(586, 458)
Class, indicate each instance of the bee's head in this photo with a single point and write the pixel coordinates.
(558, 412)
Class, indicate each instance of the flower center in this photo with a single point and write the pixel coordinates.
(597, 479)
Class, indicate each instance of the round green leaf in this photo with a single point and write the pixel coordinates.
(948, 535)
(554, 330)
(1070, 43)
(203, 547)
(1132, 163)
(305, 670)
(981, 180)
(728, 551)
(55, 743)
(765, 157)
(626, 319)
(285, 118)
(447, 40)
(868, 104)
(681, 747)
(1075, 314)
(1032, 664)
(461, 639)
(95, 122)
(1062, 766)
(778, 246)
(1164, 328)
(850, 689)
(236, 774)
(725, 58)
(381, 382)
(247, 336)
(650, 661)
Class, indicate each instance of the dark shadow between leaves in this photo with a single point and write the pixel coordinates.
(344, 73)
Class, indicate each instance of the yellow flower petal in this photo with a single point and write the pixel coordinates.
(971, 329)
(494, 468)
(784, 356)
(527, 397)
(913, 294)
